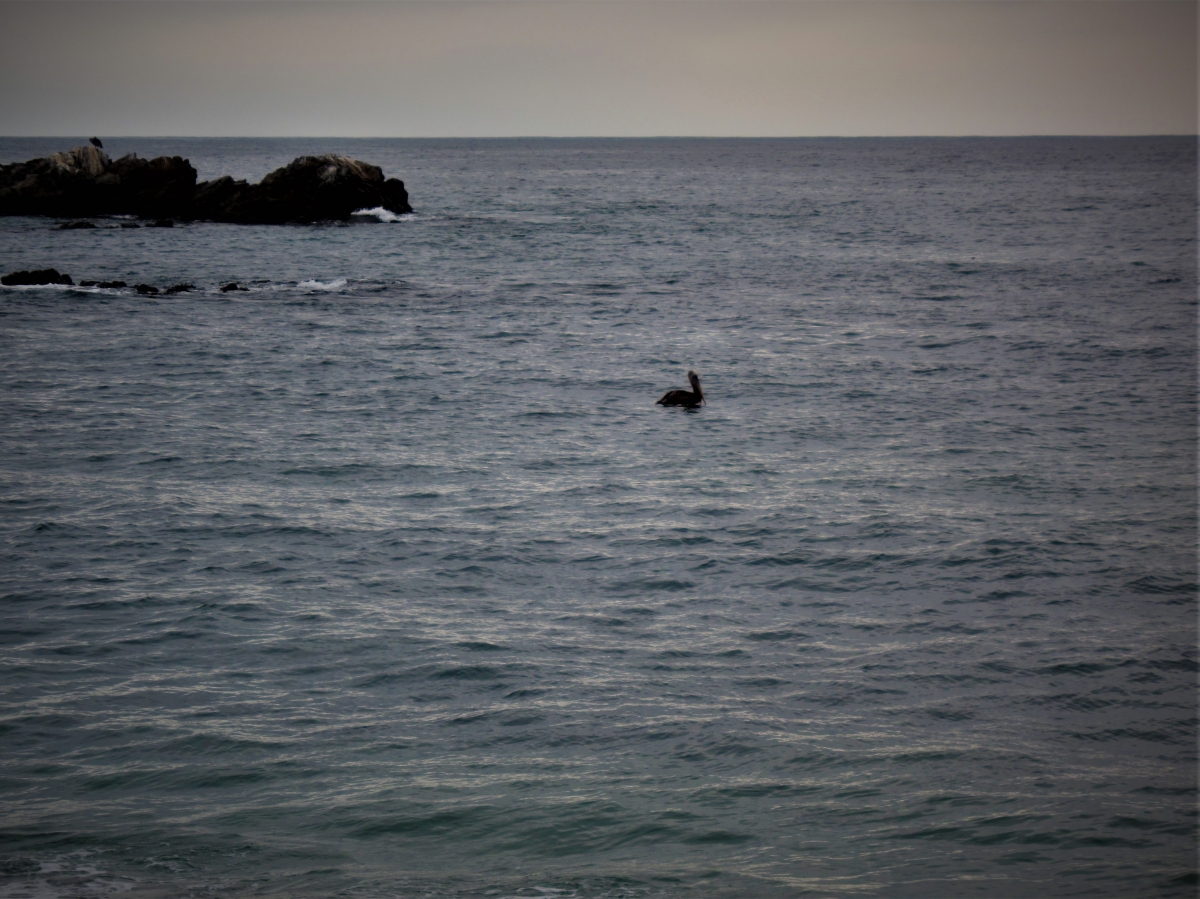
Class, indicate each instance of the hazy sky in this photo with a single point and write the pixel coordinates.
(673, 67)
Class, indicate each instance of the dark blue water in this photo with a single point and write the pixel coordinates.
(387, 577)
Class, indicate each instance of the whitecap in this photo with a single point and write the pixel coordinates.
(383, 215)
(74, 287)
(314, 284)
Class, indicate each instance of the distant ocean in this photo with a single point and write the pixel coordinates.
(387, 577)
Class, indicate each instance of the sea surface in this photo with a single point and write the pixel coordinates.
(386, 577)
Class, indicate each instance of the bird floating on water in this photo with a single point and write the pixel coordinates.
(690, 398)
(95, 142)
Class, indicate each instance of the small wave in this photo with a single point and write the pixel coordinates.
(314, 284)
(383, 215)
(59, 287)
(775, 635)
(716, 836)
(468, 672)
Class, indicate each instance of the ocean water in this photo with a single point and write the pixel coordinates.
(387, 577)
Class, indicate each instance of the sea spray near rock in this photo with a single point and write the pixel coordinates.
(85, 182)
(379, 213)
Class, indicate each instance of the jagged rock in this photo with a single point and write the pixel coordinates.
(88, 161)
(153, 188)
(85, 182)
(146, 290)
(309, 189)
(36, 277)
(178, 288)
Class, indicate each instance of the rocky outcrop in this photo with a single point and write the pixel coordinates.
(85, 182)
(35, 277)
(310, 189)
(44, 276)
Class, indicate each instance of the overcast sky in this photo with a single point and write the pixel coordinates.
(446, 68)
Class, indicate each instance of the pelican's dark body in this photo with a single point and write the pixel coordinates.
(693, 397)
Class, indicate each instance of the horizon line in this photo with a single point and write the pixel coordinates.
(605, 137)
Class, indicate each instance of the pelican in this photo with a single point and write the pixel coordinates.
(690, 398)
(95, 142)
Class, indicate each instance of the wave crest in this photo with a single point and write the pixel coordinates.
(383, 215)
(314, 284)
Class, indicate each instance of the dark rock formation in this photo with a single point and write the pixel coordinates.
(39, 276)
(178, 288)
(310, 189)
(146, 290)
(232, 285)
(85, 182)
(153, 188)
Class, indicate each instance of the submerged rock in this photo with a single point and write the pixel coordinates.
(35, 277)
(231, 286)
(85, 182)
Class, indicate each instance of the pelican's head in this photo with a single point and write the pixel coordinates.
(695, 379)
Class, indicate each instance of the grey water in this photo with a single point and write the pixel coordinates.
(386, 577)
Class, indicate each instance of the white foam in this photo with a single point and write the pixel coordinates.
(44, 287)
(314, 284)
(384, 215)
